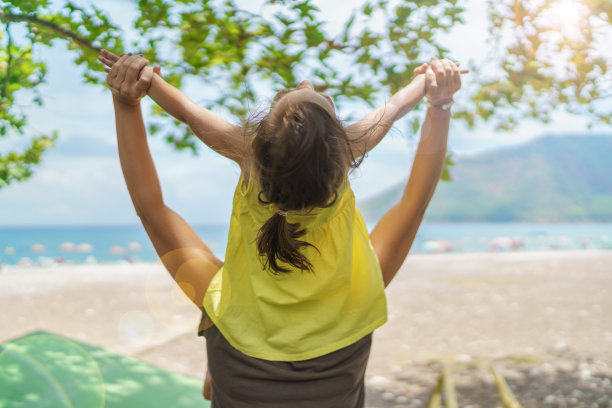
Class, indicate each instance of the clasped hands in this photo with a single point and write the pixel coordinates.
(442, 79)
(129, 76)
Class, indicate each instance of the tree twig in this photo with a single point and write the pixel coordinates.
(32, 18)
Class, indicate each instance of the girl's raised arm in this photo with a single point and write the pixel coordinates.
(371, 129)
(218, 134)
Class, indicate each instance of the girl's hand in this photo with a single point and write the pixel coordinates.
(420, 70)
(443, 79)
(108, 58)
(129, 79)
(423, 68)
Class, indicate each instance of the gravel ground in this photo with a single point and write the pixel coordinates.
(541, 318)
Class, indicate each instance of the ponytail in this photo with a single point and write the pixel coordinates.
(278, 241)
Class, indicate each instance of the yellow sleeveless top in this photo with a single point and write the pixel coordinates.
(299, 315)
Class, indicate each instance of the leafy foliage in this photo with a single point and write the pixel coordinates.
(549, 54)
(243, 53)
(83, 29)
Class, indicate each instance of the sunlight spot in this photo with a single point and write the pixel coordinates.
(568, 14)
(135, 327)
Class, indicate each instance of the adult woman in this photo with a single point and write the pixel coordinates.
(282, 336)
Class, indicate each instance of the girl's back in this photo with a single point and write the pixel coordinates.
(297, 315)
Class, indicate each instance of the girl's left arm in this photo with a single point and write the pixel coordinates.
(371, 129)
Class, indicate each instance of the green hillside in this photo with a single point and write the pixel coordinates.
(552, 179)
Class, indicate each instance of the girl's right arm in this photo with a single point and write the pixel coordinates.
(218, 134)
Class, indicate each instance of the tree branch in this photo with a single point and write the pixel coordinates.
(32, 18)
(9, 60)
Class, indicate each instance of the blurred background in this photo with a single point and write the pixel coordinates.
(530, 140)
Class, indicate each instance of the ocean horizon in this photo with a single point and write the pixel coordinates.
(46, 244)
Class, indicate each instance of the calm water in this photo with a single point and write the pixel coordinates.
(18, 244)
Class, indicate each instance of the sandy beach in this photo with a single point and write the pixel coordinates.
(542, 318)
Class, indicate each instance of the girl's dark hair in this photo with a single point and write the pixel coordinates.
(301, 157)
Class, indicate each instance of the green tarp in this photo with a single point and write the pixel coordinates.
(46, 370)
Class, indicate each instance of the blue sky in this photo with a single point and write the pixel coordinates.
(79, 182)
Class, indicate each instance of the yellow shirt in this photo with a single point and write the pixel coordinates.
(299, 315)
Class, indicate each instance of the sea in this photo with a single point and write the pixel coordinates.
(43, 245)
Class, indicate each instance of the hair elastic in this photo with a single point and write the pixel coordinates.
(282, 213)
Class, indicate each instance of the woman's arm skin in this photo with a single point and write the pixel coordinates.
(376, 124)
(394, 233)
(189, 261)
(218, 134)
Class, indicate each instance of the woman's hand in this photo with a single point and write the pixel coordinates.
(443, 79)
(129, 79)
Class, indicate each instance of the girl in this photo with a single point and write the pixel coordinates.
(288, 318)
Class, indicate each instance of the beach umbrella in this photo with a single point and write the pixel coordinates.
(9, 251)
(517, 243)
(500, 243)
(116, 250)
(134, 246)
(24, 262)
(67, 246)
(84, 247)
(438, 245)
(445, 246)
(37, 248)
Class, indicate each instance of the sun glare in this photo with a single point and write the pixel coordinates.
(567, 14)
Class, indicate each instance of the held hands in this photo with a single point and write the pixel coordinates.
(129, 76)
(442, 79)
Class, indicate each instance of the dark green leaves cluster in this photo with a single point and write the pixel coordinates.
(82, 29)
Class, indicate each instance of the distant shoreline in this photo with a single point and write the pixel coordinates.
(514, 254)
(116, 244)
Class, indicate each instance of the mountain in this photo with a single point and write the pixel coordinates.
(552, 179)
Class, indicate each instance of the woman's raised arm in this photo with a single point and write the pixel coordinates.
(188, 260)
(394, 233)
(128, 86)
